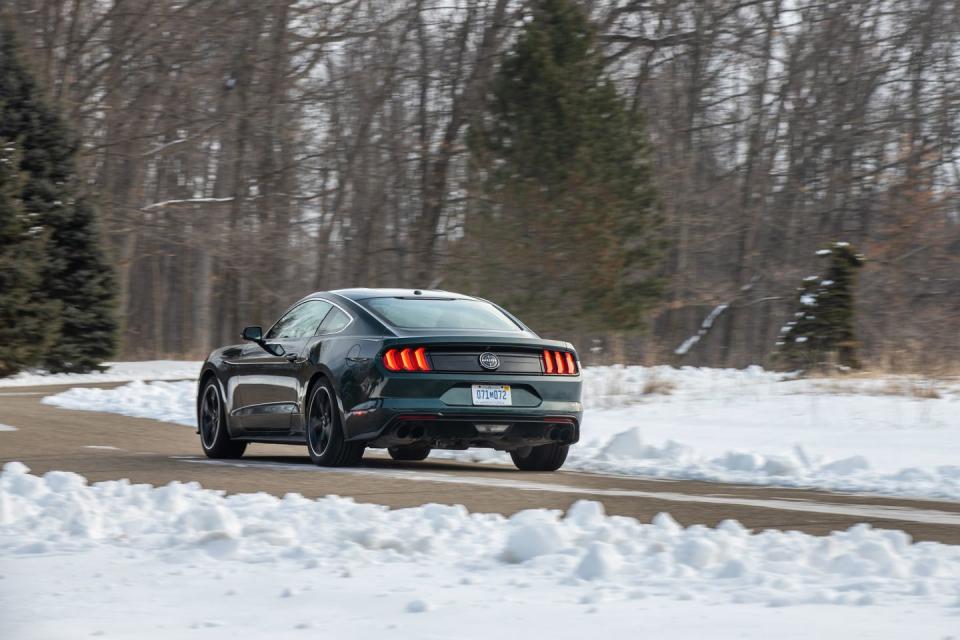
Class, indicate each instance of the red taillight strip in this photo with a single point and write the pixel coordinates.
(421, 357)
(415, 359)
(390, 360)
(559, 363)
(406, 359)
(547, 362)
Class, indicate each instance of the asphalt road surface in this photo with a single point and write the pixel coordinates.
(104, 446)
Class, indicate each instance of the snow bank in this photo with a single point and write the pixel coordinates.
(167, 401)
(568, 555)
(115, 372)
(890, 434)
(895, 435)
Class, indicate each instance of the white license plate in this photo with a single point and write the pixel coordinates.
(496, 395)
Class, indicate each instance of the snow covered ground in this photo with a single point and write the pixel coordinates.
(896, 435)
(121, 560)
(115, 372)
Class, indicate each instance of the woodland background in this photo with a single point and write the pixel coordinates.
(246, 152)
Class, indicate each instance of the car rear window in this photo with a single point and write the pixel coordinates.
(440, 313)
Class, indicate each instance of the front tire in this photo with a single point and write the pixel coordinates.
(325, 441)
(410, 452)
(212, 420)
(547, 457)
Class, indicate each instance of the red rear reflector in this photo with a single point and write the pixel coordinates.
(547, 361)
(421, 356)
(390, 360)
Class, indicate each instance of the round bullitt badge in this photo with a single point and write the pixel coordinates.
(489, 360)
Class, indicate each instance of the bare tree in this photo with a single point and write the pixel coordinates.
(245, 152)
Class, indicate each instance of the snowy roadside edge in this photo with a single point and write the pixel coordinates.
(114, 372)
(60, 513)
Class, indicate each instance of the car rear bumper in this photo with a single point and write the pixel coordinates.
(437, 409)
(464, 430)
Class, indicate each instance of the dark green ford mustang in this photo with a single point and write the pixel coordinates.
(405, 370)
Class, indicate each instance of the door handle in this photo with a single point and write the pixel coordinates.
(292, 357)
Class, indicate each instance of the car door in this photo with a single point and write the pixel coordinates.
(267, 387)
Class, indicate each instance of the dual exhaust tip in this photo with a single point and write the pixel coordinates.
(415, 431)
(561, 434)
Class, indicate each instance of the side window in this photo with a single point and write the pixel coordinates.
(301, 321)
(335, 321)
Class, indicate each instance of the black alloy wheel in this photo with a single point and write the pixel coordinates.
(325, 442)
(214, 436)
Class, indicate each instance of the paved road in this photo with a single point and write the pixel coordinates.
(108, 446)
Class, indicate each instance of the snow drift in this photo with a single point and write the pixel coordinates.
(114, 372)
(59, 512)
(122, 560)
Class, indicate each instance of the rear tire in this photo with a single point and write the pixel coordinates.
(410, 452)
(325, 440)
(547, 457)
(212, 421)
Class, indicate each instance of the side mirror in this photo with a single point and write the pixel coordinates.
(253, 334)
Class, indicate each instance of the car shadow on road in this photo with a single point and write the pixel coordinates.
(370, 462)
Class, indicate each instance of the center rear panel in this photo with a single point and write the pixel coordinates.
(512, 361)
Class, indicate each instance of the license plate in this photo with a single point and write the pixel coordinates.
(496, 395)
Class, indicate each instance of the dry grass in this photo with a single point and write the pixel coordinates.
(920, 388)
(655, 385)
(859, 383)
(930, 393)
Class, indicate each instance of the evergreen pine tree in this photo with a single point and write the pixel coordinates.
(568, 229)
(83, 284)
(26, 319)
(75, 279)
(822, 331)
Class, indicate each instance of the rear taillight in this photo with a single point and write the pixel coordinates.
(558, 363)
(406, 359)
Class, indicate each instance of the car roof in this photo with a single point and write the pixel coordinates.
(364, 293)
